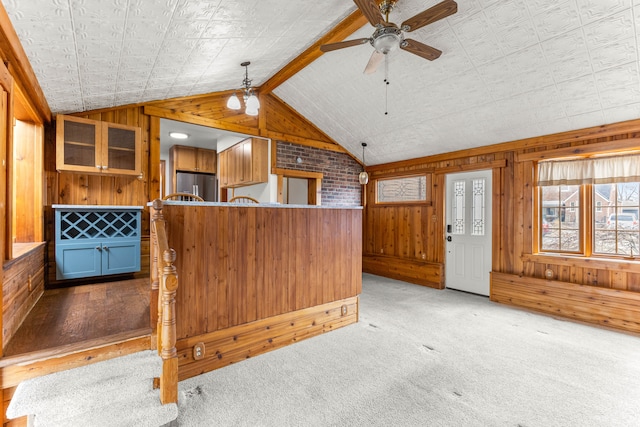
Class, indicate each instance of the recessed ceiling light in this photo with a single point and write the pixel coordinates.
(178, 135)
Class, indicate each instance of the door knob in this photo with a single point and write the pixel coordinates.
(449, 238)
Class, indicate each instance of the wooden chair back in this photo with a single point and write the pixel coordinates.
(185, 197)
(243, 199)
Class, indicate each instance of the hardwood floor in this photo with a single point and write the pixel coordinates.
(83, 313)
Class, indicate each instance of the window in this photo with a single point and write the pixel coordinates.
(590, 207)
(25, 168)
(560, 226)
(616, 229)
(478, 207)
(405, 189)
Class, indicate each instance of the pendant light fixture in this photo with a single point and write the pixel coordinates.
(364, 176)
(251, 102)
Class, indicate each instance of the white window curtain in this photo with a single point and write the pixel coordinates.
(601, 170)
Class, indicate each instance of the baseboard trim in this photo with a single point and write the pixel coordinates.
(425, 273)
(241, 342)
(612, 308)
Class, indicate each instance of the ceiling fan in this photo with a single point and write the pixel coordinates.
(389, 36)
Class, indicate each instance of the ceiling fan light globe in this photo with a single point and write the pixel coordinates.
(233, 102)
(363, 177)
(386, 43)
(253, 103)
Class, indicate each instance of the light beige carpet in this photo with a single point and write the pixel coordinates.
(423, 357)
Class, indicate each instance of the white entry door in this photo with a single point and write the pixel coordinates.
(468, 231)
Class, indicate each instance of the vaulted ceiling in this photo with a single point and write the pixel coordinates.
(509, 69)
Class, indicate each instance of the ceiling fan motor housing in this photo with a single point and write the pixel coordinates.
(387, 38)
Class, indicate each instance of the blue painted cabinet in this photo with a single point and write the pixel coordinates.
(96, 240)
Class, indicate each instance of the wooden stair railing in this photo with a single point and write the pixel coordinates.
(164, 283)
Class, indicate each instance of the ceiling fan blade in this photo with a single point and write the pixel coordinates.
(347, 43)
(374, 62)
(421, 49)
(371, 11)
(433, 14)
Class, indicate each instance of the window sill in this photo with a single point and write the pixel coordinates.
(584, 262)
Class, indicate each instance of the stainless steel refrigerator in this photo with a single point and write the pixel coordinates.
(201, 184)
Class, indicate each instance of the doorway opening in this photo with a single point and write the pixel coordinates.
(299, 187)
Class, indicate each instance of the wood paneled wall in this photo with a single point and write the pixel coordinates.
(406, 235)
(23, 285)
(209, 110)
(243, 270)
(240, 264)
(83, 189)
(406, 241)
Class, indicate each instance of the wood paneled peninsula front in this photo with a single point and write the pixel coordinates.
(253, 278)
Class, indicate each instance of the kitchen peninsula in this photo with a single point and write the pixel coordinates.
(253, 278)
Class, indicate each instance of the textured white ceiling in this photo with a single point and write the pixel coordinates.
(90, 54)
(509, 69)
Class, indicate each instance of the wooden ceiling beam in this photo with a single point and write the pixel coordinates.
(344, 29)
(165, 113)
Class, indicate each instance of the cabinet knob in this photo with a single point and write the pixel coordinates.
(99, 167)
(104, 167)
(98, 248)
(106, 248)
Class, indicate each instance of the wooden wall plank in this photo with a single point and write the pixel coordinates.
(423, 273)
(231, 345)
(249, 272)
(603, 306)
(23, 284)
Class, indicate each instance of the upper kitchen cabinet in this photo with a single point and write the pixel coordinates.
(192, 159)
(246, 163)
(96, 147)
(223, 175)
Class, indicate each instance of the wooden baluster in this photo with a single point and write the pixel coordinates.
(169, 354)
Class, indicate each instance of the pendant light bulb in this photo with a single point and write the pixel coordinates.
(233, 103)
(364, 176)
(252, 102)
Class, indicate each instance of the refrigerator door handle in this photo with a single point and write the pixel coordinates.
(195, 190)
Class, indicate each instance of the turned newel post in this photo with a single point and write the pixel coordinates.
(156, 215)
(166, 278)
(169, 354)
(168, 290)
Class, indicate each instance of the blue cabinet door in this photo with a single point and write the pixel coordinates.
(75, 260)
(120, 257)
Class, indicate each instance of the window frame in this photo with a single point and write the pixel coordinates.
(587, 226)
(583, 243)
(428, 185)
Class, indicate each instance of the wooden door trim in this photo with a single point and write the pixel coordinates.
(314, 194)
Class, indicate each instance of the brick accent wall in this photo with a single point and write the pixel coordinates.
(340, 186)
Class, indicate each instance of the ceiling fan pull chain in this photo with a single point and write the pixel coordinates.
(386, 84)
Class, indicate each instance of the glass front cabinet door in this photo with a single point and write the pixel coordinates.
(96, 147)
